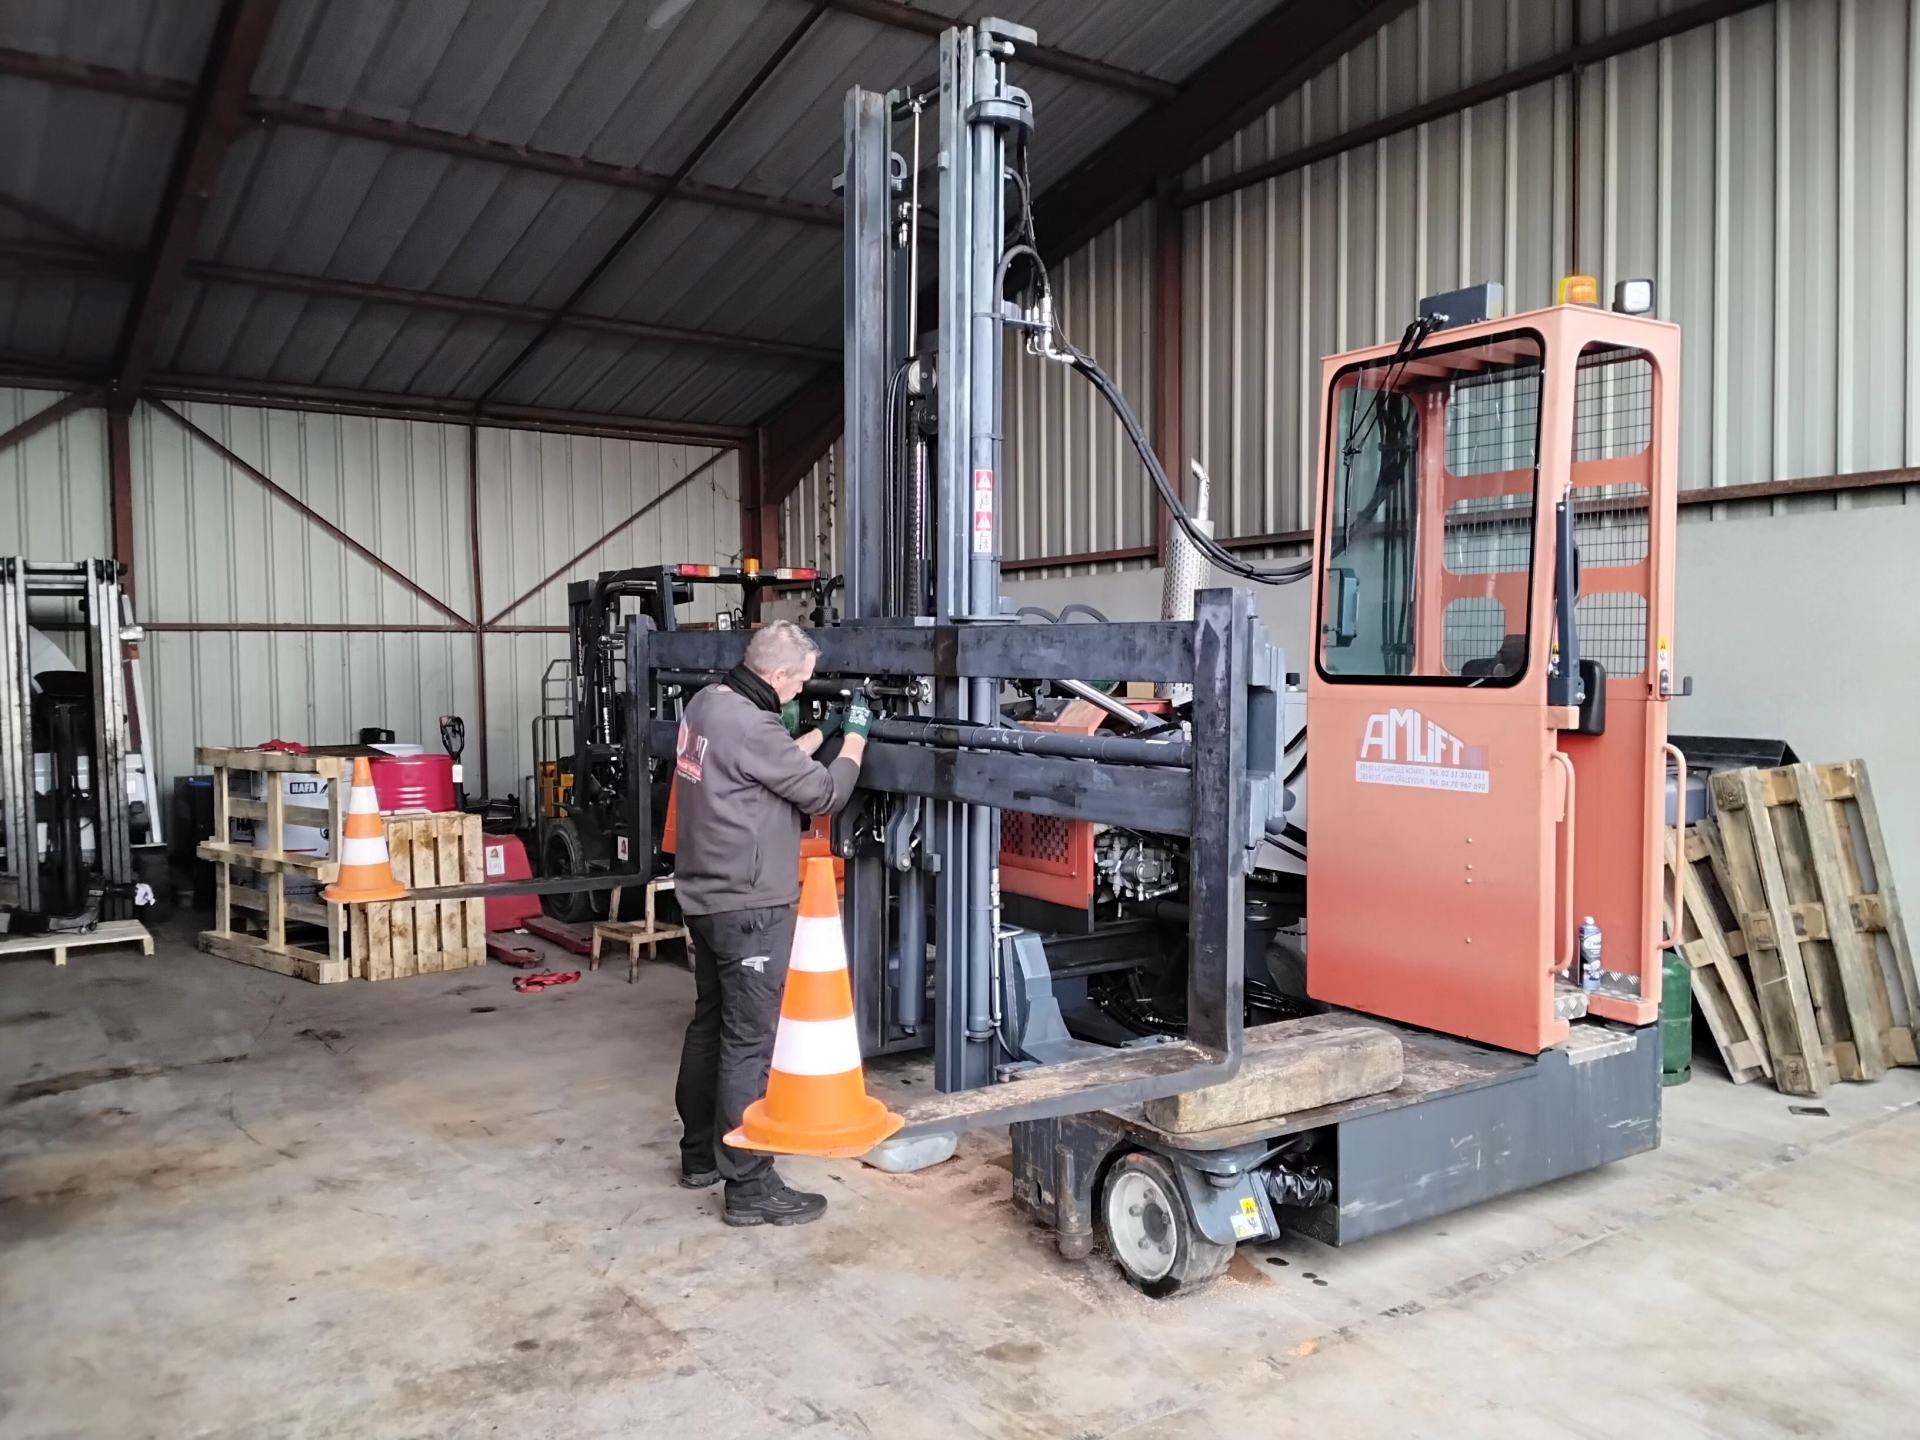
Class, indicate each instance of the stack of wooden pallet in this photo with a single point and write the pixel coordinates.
(1793, 930)
(396, 938)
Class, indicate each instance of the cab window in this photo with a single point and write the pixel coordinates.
(1431, 470)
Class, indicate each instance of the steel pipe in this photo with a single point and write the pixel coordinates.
(1120, 711)
(944, 735)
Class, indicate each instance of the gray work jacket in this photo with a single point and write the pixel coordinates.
(744, 794)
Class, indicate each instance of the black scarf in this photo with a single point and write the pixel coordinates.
(749, 686)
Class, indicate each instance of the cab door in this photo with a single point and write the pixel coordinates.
(1431, 875)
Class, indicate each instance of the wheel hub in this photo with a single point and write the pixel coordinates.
(1140, 1225)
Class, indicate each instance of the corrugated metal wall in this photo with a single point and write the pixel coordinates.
(213, 547)
(53, 485)
(543, 499)
(1072, 484)
(810, 517)
(1761, 169)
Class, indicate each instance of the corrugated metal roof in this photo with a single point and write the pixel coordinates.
(630, 84)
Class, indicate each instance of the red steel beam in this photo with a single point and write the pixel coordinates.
(95, 259)
(213, 119)
(1169, 398)
(120, 494)
(52, 415)
(334, 400)
(479, 606)
(798, 434)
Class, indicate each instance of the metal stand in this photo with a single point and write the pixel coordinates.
(100, 799)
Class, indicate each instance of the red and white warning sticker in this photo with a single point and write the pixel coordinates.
(983, 512)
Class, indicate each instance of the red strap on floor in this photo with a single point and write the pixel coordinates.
(527, 984)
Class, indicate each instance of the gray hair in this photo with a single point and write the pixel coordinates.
(779, 645)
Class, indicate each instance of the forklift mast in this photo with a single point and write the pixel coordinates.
(1493, 614)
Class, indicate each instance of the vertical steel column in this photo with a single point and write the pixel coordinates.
(1216, 903)
(866, 361)
(959, 1062)
(112, 834)
(984, 156)
(872, 352)
(16, 738)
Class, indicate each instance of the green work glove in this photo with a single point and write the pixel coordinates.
(790, 716)
(831, 722)
(859, 718)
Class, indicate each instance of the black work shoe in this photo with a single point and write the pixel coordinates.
(778, 1206)
(698, 1179)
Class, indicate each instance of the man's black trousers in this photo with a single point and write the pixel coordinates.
(739, 970)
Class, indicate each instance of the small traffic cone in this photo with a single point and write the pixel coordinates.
(366, 871)
(816, 1101)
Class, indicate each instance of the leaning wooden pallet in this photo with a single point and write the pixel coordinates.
(397, 938)
(271, 950)
(1720, 986)
(1803, 1063)
(1872, 904)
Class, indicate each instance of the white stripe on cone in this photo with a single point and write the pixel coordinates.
(363, 800)
(816, 1047)
(818, 944)
(363, 850)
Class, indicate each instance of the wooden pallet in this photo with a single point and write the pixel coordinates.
(1711, 942)
(396, 938)
(271, 951)
(108, 932)
(1872, 906)
(1844, 976)
(1797, 1040)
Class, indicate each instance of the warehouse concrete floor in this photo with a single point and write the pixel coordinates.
(237, 1205)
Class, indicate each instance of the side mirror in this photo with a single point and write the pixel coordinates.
(1341, 621)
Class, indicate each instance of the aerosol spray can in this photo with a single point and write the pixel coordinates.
(1589, 954)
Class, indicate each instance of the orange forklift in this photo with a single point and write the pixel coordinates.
(1488, 767)
(1472, 836)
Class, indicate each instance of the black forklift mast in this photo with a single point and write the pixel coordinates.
(608, 795)
(925, 634)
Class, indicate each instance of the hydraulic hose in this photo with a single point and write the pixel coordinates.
(1205, 543)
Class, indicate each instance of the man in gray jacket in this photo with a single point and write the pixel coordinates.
(745, 789)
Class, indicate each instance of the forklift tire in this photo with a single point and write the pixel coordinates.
(1150, 1231)
(562, 857)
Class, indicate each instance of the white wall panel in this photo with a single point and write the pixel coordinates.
(53, 486)
(214, 546)
(810, 529)
(1070, 481)
(544, 499)
(216, 549)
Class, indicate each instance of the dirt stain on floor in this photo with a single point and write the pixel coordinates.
(79, 1080)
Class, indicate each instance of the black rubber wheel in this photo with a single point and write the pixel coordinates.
(561, 857)
(1150, 1231)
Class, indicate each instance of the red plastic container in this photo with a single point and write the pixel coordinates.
(413, 782)
(506, 860)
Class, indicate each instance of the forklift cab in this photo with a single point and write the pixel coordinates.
(1492, 633)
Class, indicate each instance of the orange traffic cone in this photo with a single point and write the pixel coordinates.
(366, 871)
(816, 1101)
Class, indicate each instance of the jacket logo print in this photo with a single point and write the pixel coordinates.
(692, 753)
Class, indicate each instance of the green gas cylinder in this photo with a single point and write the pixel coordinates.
(1676, 1019)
